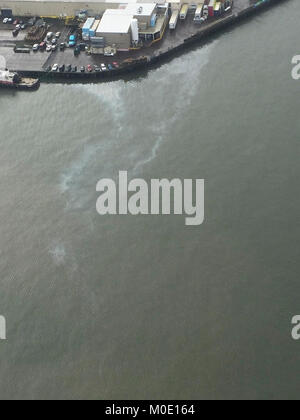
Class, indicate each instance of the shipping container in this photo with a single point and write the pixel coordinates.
(93, 29)
(87, 26)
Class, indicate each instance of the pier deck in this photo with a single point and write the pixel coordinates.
(37, 63)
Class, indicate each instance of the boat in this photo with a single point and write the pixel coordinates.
(12, 80)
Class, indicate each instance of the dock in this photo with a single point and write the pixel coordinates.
(174, 42)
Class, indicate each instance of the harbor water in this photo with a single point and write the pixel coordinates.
(144, 307)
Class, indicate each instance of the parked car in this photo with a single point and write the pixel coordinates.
(36, 47)
(49, 48)
(72, 41)
(74, 69)
(43, 46)
(53, 47)
(62, 68)
(89, 68)
(18, 27)
(82, 69)
(62, 46)
(97, 69)
(5, 21)
(54, 41)
(49, 35)
(55, 68)
(77, 51)
(15, 32)
(15, 22)
(110, 67)
(116, 65)
(57, 35)
(24, 26)
(10, 21)
(103, 67)
(48, 69)
(68, 68)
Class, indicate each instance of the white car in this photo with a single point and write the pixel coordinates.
(5, 20)
(103, 67)
(57, 35)
(55, 67)
(35, 47)
(49, 48)
(49, 35)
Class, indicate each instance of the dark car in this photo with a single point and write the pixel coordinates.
(82, 46)
(62, 68)
(48, 69)
(110, 67)
(15, 32)
(62, 46)
(74, 69)
(77, 51)
(68, 68)
(97, 69)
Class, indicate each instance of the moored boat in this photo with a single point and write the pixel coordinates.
(13, 80)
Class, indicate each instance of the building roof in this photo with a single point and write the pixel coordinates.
(75, 1)
(114, 23)
(141, 9)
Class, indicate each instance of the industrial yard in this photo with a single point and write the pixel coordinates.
(107, 39)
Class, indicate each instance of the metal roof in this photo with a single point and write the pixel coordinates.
(115, 23)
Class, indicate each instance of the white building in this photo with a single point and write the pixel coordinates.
(115, 28)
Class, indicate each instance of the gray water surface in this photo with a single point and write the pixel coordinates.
(144, 307)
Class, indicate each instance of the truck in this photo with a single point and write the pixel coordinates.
(211, 8)
(184, 11)
(199, 12)
(174, 20)
(217, 9)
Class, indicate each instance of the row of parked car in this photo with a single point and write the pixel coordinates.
(88, 69)
(18, 24)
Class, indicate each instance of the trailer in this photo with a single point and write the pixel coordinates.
(184, 11)
(174, 20)
(211, 8)
(199, 12)
(217, 9)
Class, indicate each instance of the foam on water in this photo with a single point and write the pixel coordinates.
(58, 254)
(122, 147)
